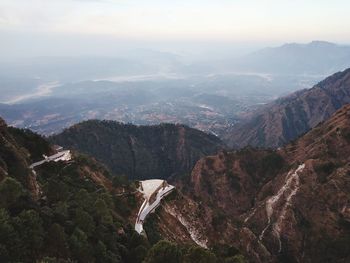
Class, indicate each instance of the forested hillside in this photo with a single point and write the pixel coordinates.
(140, 152)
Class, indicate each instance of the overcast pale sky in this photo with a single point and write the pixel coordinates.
(177, 20)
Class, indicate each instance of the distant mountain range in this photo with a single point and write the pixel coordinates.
(285, 119)
(317, 57)
(150, 87)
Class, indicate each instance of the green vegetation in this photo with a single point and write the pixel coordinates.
(10, 191)
(151, 228)
(74, 220)
(165, 251)
(32, 142)
(140, 152)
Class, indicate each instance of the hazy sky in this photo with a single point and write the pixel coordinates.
(243, 21)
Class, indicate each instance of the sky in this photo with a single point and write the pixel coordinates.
(32, 25)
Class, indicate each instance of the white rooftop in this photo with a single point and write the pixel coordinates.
(159, 189)
(148, 187)
(60, 156)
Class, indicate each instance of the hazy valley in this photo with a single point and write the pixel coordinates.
(174, 131)
(211, 96)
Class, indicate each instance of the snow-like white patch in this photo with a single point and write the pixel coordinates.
(250, 215)
(192, 230)
(261, 236)
(287, 191)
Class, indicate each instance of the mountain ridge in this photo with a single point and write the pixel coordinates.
(287, 118)
(313, 58)
(140, 152)
(286, 205)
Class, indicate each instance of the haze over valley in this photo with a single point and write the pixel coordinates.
(151, 87)
(188, 131)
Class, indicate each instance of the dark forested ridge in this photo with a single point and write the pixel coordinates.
(140, 152)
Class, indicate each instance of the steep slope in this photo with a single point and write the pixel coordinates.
(287, 118)
(307, 216)
(62, 211)
(19, 148)
(290, 205)
(140, 152)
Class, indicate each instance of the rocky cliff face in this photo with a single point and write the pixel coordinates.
(141, 152)
(290, 205)
(285, 119)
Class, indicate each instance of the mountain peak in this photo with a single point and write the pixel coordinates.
(312, 44)
(320, 43)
